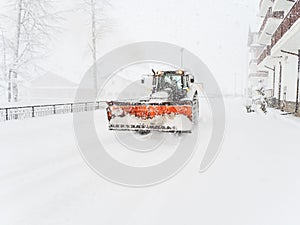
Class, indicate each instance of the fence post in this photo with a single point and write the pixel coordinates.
(86, 108)
(71, 107)
(32, 109)
(54, 109)
(6, 112)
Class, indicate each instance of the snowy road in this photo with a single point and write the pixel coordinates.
(255, 179)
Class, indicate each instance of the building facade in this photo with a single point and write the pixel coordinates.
(274, 53)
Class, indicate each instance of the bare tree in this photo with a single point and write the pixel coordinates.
(30, 23)
(99, 24)
(4, 60)
(94, 45)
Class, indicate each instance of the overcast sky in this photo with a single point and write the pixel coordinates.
(216, 31)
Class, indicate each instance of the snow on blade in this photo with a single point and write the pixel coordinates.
(175, 122)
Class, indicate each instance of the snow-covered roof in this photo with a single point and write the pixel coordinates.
(51, 80)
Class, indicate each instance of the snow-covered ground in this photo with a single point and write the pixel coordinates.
(255, 179)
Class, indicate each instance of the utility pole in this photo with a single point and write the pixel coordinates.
(279, 85)
(298, 75)
(235, 85)
(94, 45)
(181, 57)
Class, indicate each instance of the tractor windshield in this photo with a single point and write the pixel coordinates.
(170, 81)
(175, 84)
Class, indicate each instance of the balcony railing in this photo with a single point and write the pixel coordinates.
(287, 23)
(271, 14)
(266, 52)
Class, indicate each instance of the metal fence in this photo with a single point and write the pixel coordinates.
(24, 112)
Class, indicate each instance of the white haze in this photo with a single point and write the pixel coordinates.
(214, 30)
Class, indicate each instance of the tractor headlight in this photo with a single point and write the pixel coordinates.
(179, 72)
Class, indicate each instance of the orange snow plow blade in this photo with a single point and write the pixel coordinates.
(160, 117)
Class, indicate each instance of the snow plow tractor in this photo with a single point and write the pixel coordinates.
(173, 106)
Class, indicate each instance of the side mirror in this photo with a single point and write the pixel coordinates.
(192, 80)
(143, 81)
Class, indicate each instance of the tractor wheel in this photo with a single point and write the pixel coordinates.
(144, 132)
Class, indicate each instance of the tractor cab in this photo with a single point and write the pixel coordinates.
(174, 83)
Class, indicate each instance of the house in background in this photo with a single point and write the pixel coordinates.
(49, 88)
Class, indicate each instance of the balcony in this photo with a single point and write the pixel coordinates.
(270, 23)
(259, 74)
(266, 52)
(252, 38)
(290, 20)
(253, 61)
(264, 6)
(252, 68)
